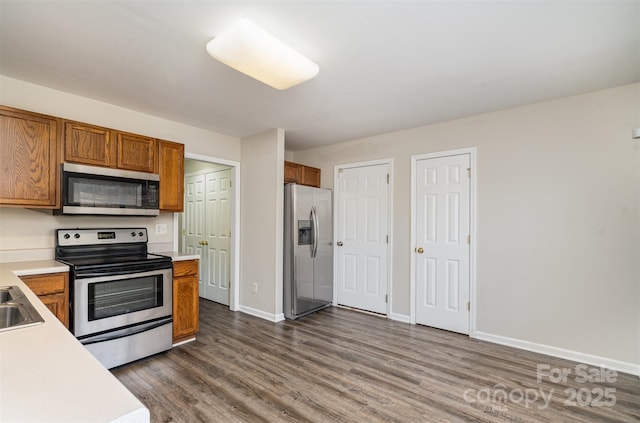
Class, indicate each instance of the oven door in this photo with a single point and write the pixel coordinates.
(106, 303)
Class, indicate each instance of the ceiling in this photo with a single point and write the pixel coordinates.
(384, 65)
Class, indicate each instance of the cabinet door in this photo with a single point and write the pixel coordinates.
(58, 305)
(53, 291)
(292, 173)
(30, 156)
(171, 170)
(136, 152)
(185, 307)
(89, 144)
(310, 176)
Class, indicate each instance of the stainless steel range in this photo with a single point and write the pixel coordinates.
(121, 296)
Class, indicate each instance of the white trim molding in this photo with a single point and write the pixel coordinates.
(404, 318)
(580, 357)
(234, 295)
(272, 317)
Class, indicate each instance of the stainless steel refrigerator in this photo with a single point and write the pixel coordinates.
(308, 250)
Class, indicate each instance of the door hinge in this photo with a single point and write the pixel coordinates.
(340, 171)
(469, 239)
(469, 171)
(386, 298)
(387, 239)
(388, 177)
(230, 183)
(468, 306)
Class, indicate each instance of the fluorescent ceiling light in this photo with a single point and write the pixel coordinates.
(249, 49)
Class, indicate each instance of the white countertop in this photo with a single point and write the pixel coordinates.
(46, 375)
(177, 256)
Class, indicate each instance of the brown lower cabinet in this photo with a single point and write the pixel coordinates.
(53, 291)
(185, 300)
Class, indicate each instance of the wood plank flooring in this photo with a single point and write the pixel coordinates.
(339, 365)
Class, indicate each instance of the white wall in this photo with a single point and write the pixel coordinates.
(558, 217)
(22, 229)
(261, 222)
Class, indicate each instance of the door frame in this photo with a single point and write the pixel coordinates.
(234, 292)
(336, 169)
(472, 151)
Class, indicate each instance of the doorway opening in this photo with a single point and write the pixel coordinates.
(209, 225)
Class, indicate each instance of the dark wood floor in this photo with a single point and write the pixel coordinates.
(342, 366)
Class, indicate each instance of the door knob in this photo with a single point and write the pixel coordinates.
(419, 250)
(340, 244)
(206, 242)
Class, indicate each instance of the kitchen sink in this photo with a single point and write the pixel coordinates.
(5, 294)
(15, 309)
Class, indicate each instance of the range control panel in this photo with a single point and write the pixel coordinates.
(68, 237)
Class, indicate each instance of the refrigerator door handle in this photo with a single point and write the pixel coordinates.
(314, 219)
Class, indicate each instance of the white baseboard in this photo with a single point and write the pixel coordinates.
(262, 314)
(400, 317)
(594, 360)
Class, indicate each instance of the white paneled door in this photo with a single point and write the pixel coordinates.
(363, 235)
(207, 222)
(218, 236)
(442, 219)
(193, 224)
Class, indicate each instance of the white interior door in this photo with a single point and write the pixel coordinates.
(362, 244)
(442, 219)
(194, 225)
(218, 236)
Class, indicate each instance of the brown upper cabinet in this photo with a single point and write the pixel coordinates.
(97, 146)
(88, 144)
(30, 154)
(136, 152)
(32, 146)
(171, 170)
(301, 174)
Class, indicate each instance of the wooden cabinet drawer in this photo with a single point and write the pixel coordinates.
(53, 283)
(185, 268)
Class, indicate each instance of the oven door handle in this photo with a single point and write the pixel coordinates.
(79, 275)
(122, 333)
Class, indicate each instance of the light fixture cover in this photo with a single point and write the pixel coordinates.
(249, 49)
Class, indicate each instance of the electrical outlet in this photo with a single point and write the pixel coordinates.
(254, 288)
(161, 229)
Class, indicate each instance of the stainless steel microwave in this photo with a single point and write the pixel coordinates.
(105, 191)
